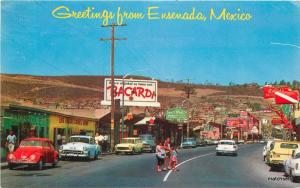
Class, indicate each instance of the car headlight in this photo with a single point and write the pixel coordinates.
(84, 148)
(32, 157)
(11, 156)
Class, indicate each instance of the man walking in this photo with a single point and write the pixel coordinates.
(11, 141)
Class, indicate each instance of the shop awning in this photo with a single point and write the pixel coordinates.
(144, 121)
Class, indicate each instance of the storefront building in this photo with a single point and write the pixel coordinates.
(24, 122)
(62, 126)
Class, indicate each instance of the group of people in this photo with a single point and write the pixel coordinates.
(166, 156)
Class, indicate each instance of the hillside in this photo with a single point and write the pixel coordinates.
(87, 92)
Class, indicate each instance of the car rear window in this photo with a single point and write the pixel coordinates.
(226, 143)
(289, 146)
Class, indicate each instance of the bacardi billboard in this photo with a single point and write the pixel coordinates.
(136, 92)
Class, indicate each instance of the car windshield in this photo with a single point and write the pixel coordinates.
(128, 141)
(226, 143)
(146, 137)
(79, 139)
(289, 146)
(188, 139)
(31, 143)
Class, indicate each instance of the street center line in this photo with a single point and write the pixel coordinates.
(170, 171)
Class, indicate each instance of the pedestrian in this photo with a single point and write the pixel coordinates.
(99, 139)
(167, 148)
(105, 143)
(11, 141)
(160, 155)
(173, 159)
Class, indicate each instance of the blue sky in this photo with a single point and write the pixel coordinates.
(34, 42)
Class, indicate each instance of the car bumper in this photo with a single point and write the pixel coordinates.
(124, 151)
(21, 162)
(73, 155)
(227, 151)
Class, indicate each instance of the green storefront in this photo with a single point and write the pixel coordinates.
(24, 122)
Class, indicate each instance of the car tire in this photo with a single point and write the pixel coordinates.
(293, 178)
(40, 164)
(55, 162)
(133, 151)
(10, 166)
(96, 155)
(117, 153)
(217, 154)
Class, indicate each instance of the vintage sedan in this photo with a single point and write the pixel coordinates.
(148, 143)
(279, 152)
(33, 152)
(291, 165)
(130, 145)
(227, 147)
(80, 146)
(188, 143)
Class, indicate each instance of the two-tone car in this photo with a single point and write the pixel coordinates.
(227, 147)
(80, 146)
(130, 145)
(33, 152)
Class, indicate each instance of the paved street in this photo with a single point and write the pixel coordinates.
(200, 168)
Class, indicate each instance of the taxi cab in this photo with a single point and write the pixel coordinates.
(280, 151)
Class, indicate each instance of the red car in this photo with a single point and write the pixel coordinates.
(33, 152)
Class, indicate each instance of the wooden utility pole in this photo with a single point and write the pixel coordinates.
(112, 97)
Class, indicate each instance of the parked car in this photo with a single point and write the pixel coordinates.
(80, 146)
(188, 142)
(201, 142)
(241, 141)
(33, 152)
(148, 142)
(279, 152)
(291, 166)
(266, 149)
(227, 147)
(214, 142)
(130, 145)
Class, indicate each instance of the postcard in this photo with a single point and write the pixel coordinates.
(147, 93)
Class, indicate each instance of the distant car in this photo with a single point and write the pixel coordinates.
(214, 142)
(279, 152)
(241, 141)
(227, 147)
(188, 142)
(148, 143)
(80, 146)
(130, 145)
(291, 166)
(201, 142)
(33, 152)
(266, 149)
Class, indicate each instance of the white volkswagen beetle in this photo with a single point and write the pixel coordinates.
(80, 146)
(291, 165)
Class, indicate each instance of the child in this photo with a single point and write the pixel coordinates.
(173, 158)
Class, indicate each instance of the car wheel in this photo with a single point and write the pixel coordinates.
(217, 154)
(293, 178)
(235, 154)
(55, 162)
(117, 153)
(133, 151)
(10, 166)
(40, 164)
(96, 155)
(88, 157)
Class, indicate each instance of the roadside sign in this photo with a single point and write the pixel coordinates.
(178, 115)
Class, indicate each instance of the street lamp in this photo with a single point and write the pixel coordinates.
(123, 111)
